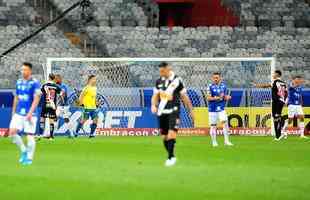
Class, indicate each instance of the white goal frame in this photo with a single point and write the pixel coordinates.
(272, 61)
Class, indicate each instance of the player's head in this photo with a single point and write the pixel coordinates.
(51, 77)
(58, 79)
(297, 80)
(26, 70)
(91, 80)
(216, 77)
(277, 74)
(164, 70)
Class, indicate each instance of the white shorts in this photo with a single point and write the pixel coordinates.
(20, 123)
(63, 111)
(214, 117)
(294, 111)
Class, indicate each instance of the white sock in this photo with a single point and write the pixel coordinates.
(225, 132)
(31, 146)
(19, 142)
(213, 134)
(302, 128)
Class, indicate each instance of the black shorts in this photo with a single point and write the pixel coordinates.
(277, 107)
(168, 122)
(49, 113)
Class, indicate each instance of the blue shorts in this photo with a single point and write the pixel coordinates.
(90, 113)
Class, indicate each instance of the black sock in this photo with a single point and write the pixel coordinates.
(166, 144)
(42, 127)
(277, 127)
(52, 130)
(170, 144)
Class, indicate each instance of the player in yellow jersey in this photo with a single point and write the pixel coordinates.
(88, 101)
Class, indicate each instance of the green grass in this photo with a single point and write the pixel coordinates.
(132, 168)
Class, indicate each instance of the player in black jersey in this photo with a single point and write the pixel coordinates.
(50, 91)
(166, 103)
(279, 96)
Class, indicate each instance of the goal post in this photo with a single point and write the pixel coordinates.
(125, 88)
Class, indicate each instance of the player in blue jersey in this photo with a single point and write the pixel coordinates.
(25, 113)
(217, 98)
(294, 102)
(63, 109)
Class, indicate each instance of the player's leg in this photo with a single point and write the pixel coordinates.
(84, 117)
(52, 127)
(164, 128)
(93, 126)
(290, 113)
(277, 119)
(301, 123)
(224, 122)
(171, 138)
(213, 117)
(30, 130)
(41, 127)
(15, 126)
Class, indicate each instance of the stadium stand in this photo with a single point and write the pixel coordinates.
(129, 28)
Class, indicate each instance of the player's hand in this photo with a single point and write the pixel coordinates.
(29, 117)
(227, 97)
(154, 109)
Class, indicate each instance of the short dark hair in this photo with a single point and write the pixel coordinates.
(90, 77)
(163, 65)
(278, 72)
(51, 76)
(217, 73)
(297, 77)
(28, 64)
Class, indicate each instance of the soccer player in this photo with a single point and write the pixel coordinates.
(168, 92)
(88, 101)
(295, 106)
(217, 98)
(25, 113)
(63, 109)
(50, 90)
(279, 96)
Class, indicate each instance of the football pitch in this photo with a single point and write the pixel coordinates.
(133, 168)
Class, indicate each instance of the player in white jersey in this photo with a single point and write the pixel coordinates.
(295, 102)
(217, 98)
(25, 113)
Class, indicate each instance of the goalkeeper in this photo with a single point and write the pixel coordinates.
(88, 102)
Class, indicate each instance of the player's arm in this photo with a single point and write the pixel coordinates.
(187, 103)
(15, 102)
(35, 102)
(81, 97)
(155, 101)
(262, 85)
(212, 98)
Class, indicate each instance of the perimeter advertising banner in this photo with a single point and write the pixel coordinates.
(141, 122)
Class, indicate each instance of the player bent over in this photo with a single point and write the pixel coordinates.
(50, 90)
(89, 103)
(295, 106)
(217, 98)
(25, 113)
(168, 92)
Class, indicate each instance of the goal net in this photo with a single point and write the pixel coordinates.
(125, 87)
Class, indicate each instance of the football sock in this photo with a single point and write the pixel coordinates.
(31, 145)
(170, 145)
(213, 134)
(42, 127)
(93, 127)
(302, 128)
(277, 127)
(166, 144)
(225, 132)
(17, 139)
(78, 128)
(52, 127)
